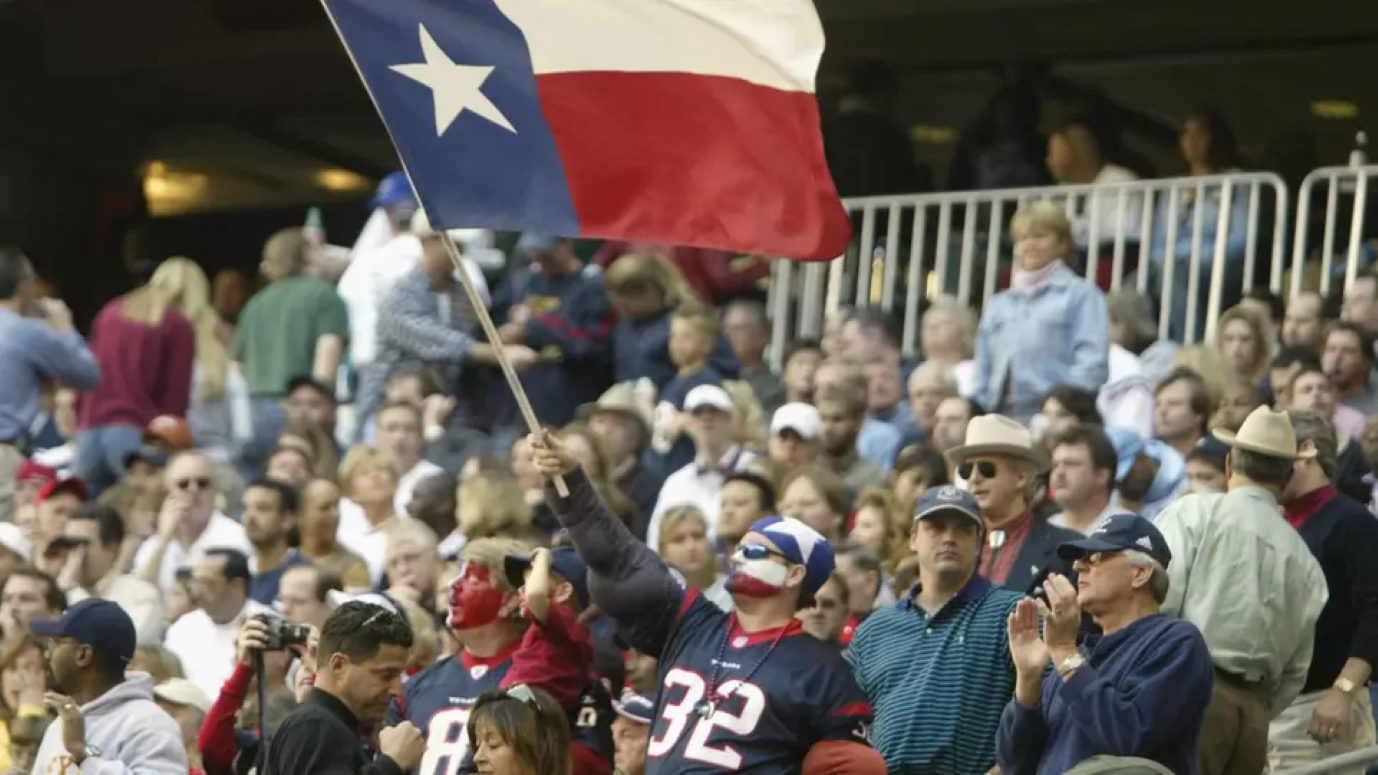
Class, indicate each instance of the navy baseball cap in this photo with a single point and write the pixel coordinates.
(395, 189)
(565, 561)
(1119, 533)
(945, 499)
(636, 707)
(533, 242)
(100, 624)
(800, 544)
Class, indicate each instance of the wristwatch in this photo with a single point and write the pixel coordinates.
(1345, 685)
(1070, 665)
(87, 752)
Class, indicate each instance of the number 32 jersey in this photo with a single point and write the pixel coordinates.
(438, 700)
(765, 721)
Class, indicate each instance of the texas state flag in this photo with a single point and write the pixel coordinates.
(684, 122)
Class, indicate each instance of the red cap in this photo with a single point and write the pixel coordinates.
(33, 471)
(169, 431)
(72, 484)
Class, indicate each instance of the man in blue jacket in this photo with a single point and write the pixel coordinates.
(1137, 692)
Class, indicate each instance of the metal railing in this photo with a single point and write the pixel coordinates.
(909, 248)
(1350, 184)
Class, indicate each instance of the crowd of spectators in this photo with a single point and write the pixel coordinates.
(1054, 541)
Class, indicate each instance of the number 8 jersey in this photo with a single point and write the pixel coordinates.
(438, 700)
(765, 715)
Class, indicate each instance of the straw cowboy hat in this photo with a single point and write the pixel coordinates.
(621, 399)
(1267, 433)
(994, 434)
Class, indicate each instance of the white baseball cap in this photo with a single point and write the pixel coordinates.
(708, 397)
(12, 538)
(180, 691)
(801, 418)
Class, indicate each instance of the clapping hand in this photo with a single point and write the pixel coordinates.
(1061, 614)
(73, 724)
(1027, 649)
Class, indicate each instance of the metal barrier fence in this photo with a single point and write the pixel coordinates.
(1350, 184)
(910, 248)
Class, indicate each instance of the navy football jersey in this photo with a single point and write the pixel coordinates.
(438, 700)
(767, 720)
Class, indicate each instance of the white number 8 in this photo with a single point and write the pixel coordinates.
(678, 715)
(447, 742)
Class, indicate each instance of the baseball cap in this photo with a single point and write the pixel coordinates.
(801, 418)
(180, 691)
(799, 544)
(34, 471)
(395, 189)
(532, 242)
(1118, 533)
(95, 622)
(170, 430)
(305, 381)
(565, 561)
(74, 485)
(12, 538)
(948, 498)
(708, 397)
(636, 707)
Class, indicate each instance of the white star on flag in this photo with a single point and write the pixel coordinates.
(455, 88)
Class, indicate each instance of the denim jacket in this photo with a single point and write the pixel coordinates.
(1055, 334)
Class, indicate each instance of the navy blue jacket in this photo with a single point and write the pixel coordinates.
(641, 348)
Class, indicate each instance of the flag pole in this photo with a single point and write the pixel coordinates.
(485, 320)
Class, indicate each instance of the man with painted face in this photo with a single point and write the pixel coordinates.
(747, 691)
(485, 616)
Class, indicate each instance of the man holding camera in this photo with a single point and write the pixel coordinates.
(360, 661)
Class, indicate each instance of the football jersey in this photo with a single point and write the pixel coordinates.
(770, 713)
(438, 700)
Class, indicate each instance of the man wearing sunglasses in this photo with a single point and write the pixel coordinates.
(746, 691)
(1001, 464)
(189, 523)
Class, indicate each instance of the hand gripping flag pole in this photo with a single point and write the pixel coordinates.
(499, 352)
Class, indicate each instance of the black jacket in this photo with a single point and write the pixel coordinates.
(322, 738)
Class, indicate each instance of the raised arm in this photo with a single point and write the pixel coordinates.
(626, 579)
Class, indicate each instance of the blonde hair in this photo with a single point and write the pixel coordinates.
(896, 523)
(1205, 361)
(412, 531)
(960, 313)
(635, 276)
(361, 457)
(1043, 215)
(156, 660)
(425, 644)
(284, 254)
(702, 318)
(319, 450)
(748, 414)
(492, 506)
(187, 289)
(492, 553)
(675, 515)
(1257, 328)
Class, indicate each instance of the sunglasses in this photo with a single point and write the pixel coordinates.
(760, 552)
(985, 468)
(1096, 558)
(522, 693)
(201, 483)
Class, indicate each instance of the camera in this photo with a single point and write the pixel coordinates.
(282, 634)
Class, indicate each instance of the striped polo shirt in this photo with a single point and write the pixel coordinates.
(937, 684)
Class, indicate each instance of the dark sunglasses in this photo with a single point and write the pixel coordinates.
(201, 482)
(985, 468)
(760, 552)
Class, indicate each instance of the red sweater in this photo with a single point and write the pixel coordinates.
(216, 740)
(145, 370)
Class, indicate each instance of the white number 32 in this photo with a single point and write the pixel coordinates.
(678, 715)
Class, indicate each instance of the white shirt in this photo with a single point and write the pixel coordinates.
(207, 649)
(689, 487)
(1109, 217)
(371, 274)
(359, 536)
(406, 484)
(140, 599)
(1126, 399)
(221, 533)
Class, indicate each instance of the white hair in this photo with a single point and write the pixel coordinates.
(1158, 579)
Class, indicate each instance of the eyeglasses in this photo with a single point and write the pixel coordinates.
(760, 552)
(201, 483)
(1096, 558)
(985, 468)
(523, 693)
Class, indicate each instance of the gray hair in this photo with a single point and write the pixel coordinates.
(1158, 580)
(1311, 427)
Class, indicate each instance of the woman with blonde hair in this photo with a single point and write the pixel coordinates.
(685, 546)
(316, 445)
(368, 482)
(643, 292)
(947, 337)
(144, 348)
(1051, 327)
(219, 415)
(748, 418)
(1241, 340)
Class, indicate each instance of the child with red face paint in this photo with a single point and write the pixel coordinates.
(557, 650)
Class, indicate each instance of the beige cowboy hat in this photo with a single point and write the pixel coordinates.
(621, 399)
(994, 434)
(1267, 433)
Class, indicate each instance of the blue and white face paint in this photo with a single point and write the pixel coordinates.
(754, 572)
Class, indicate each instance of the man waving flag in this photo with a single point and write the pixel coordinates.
(684, 122)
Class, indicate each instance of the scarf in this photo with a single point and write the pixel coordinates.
(1025, 280)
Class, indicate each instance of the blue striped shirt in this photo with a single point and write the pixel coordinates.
(937, 684)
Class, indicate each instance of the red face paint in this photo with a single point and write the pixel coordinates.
(474, 599)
